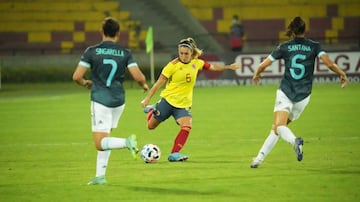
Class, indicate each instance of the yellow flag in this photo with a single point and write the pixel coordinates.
(149, 40)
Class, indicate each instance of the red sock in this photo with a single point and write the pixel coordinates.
(149, 115)
(180, 139)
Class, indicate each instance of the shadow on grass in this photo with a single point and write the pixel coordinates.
(175, 191)
(211, 161)
(335, 171)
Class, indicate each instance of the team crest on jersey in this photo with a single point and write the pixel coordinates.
(193, 66)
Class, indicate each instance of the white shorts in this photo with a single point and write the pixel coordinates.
(283, 103)
(103, 118)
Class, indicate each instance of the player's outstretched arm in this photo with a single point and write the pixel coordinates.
(218, 67)
(335, 68)
(262, 66)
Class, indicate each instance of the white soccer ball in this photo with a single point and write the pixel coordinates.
(150, 153)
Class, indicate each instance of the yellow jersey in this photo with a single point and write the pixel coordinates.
(181, 81)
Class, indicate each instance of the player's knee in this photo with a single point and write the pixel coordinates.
(152, 124)
(276, 127)
(150, 127)
(98, 147)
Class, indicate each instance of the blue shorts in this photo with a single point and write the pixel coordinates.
(164, 110)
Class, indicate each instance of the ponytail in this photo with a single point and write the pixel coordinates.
(296, 27)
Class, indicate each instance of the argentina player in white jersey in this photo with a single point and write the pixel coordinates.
(108, 63)
(299, 55)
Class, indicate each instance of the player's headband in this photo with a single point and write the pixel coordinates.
(185, 43)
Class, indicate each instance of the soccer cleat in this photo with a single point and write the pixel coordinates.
(148, 108)
(177, 157)
(131, 144)
(255, 163)
(149, 111)
(299, 142)
(98, 181)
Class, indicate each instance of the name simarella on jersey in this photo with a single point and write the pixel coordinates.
(108, 62)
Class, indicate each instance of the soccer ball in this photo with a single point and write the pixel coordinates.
(150, 153)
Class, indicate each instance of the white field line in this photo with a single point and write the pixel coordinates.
(46, 144)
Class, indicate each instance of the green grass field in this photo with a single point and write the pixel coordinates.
(47, 153)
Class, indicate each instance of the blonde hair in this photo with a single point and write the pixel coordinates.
(191, 44)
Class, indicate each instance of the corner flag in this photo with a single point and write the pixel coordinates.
(149, 40)
(150, 49)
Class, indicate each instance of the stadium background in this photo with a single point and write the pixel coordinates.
(42, 40)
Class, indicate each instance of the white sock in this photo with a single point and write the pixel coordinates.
(108, 143)
(286, 134)
(268, 145)
(102, 162)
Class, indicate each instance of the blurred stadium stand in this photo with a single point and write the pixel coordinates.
(53, 27)
(171, 22)
(67, 27)
(328, 21)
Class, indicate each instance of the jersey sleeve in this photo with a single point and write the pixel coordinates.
(206, 65)
(319, 50)
(131, 61)
(275, 54)
(168, 70)
(85, 59)
(201, 64)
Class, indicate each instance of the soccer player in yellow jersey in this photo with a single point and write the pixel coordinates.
(176, 99)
